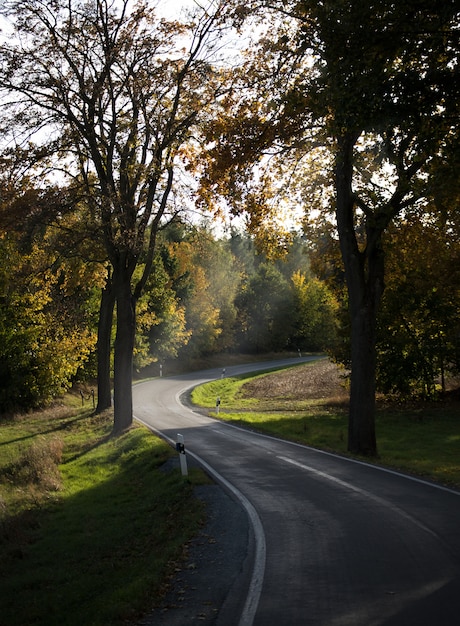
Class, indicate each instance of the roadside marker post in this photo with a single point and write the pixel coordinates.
(217, 405)
(180, 447)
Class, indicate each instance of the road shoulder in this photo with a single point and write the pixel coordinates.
(211, 586)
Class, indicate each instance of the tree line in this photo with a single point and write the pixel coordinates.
(214, 295)
(205, 296)
(114, 121)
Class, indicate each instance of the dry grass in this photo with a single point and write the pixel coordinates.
(39, 464)
(325, 380)
(321, 380)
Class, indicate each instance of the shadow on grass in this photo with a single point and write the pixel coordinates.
(99, 555)
(88, 449)
(325, 428)
(62, 426)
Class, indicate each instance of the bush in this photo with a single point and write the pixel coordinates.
(38, 465)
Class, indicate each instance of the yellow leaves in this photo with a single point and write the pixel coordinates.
(299, 280)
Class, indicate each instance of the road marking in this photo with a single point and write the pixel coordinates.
(367, 494)
(255, 586)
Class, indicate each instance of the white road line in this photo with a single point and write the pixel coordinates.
(255, 586)
(257, 578)
(347, 459)
(362, 492)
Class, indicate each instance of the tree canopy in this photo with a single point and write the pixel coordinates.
(109, 94)
(370, 90)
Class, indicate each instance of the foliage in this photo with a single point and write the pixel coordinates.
(315, 315)
(45, 325)
(194, 275)
(264, 307)
(417, 341)
(419, 325)
(375, 87)
(237, 299)
(161, 323)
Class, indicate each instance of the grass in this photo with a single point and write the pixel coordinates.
(90, 526)
(418, 438)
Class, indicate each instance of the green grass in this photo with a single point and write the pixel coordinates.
(227, 389)
(421, 439)
(230, 390)
(95, 544)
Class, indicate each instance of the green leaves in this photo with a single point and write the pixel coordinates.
(46, 331)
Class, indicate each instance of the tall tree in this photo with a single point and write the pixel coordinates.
(376, 86)
(111, 94)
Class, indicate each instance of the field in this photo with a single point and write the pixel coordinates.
(308, 404)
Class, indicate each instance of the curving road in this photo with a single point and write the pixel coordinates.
(336, 542)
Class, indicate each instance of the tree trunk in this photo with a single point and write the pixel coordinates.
(104, 334)
(364, 276)
(361, 420)
(123, 353)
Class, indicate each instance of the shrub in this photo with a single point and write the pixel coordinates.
(39, 464)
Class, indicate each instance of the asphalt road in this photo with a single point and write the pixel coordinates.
(335, 542)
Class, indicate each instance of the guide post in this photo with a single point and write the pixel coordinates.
(180, 447)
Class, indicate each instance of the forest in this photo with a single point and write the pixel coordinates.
(322, 136)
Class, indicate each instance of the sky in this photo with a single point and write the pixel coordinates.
(173, 8)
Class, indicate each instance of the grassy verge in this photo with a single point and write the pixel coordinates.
(422, 439)
(90, 525)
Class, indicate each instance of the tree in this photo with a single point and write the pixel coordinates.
(222, 282)
(376, 87)
(161, 318)
(35, 211)
(264, 306)
(46, 320)
(205, 282)
(110, 94)
(314, 316)
(419, 321)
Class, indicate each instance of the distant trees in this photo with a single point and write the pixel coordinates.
(206, 279)
(235, 299)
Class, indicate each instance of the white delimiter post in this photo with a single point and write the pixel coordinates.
(180, 446)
